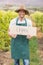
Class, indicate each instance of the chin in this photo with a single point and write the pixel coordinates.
(22, 16)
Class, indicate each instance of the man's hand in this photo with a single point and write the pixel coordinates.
(29, 37)
(12, 35)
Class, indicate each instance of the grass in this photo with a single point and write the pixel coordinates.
(34, 59)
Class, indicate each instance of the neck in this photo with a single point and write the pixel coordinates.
(21, 18)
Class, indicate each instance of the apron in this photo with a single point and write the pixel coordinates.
(20, 45)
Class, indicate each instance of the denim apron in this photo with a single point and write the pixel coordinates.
(20, 45)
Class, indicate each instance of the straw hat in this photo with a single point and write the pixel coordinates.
(22, 8)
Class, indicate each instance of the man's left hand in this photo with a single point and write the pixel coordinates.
(29, 37)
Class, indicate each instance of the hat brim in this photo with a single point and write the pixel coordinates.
(26, 11)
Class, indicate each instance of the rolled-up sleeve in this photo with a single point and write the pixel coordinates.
(12, 22)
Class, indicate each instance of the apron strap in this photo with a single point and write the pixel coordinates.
(24, 19)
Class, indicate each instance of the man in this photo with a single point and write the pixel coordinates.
(20, 43)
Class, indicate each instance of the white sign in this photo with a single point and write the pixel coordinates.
(23, 30)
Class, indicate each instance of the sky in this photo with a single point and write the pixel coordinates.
(25, 2)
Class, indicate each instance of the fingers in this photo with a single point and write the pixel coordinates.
(28, 36)
(14, 35)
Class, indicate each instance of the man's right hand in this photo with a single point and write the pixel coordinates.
(12, 35)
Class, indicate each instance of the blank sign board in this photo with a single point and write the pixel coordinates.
(23, 30)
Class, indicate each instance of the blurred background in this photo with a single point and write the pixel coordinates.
(7, 13)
